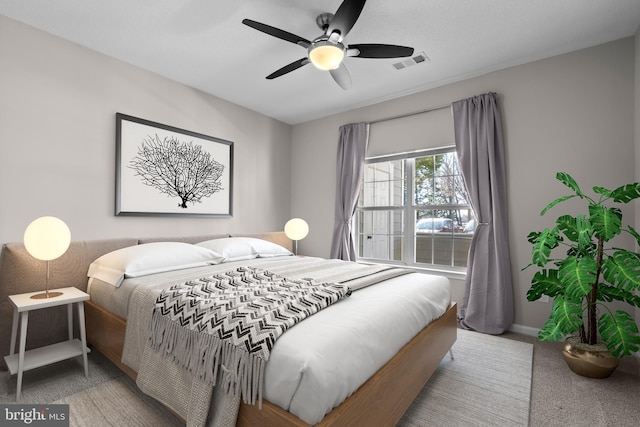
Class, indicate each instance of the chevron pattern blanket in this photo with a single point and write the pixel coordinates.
(227, 323)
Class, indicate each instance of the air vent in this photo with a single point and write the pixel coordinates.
(408, 62)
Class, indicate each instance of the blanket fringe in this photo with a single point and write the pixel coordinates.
(203, 354)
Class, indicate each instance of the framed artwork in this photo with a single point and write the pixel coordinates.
(163, 170)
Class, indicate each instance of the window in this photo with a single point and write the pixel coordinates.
(414, 210)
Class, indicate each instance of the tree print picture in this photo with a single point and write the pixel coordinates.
(163, 170)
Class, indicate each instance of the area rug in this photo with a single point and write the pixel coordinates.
(116, 403)
(488, 383)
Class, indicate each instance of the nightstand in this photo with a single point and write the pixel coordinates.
(25, 360)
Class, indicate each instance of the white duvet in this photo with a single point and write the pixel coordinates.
(322, 360)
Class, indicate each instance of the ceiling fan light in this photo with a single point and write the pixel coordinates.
(325, 55)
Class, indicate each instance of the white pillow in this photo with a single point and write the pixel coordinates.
(266, 249)
(243, 248)
(149, 258)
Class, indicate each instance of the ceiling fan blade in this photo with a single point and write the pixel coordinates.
(345, 17)
(276, 32)
(341, 76)
(379, 51)
(288, 68)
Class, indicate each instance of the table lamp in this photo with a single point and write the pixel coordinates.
(296, 229)
(46, 239)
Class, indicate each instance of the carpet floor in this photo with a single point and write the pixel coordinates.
(488, 383)
(561, 398)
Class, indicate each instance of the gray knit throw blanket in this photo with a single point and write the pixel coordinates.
(229, 322)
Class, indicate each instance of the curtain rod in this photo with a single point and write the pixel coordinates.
(442, 107)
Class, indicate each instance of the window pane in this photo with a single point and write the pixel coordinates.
(365, 222)
(380, 234)
(367, 194)
(368, 173)
(424, 174)
(440, 164)
(383, 184)
(438, 181)
(425, 192)
(443, 236)
(461, 246)
(444, 194)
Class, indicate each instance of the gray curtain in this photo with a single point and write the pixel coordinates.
(488, 301)
(352, 147)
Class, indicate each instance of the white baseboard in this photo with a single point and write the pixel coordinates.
(525, 330)
(528, 330)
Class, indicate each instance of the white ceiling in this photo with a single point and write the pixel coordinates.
(203, 44)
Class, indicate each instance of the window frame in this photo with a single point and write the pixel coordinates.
(409, 209)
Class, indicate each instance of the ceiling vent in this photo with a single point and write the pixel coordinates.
(416, 59)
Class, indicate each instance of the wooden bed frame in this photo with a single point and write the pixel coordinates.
(381, 401)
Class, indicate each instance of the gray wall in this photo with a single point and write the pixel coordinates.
(572, 113)
(57, 141)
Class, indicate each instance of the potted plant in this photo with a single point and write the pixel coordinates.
(581, 270)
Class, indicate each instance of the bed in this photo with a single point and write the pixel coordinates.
(380, 400)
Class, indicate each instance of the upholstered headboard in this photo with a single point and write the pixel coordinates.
(20, 273)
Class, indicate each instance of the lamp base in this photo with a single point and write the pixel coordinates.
(45, 295)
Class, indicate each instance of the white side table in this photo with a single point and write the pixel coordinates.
(25, 360)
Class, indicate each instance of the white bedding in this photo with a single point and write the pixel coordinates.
(319, 362)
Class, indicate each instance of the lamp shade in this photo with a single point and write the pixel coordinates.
(326, 55)
(296, 229)
(47, 238)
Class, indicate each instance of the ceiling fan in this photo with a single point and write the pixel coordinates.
(328, 50)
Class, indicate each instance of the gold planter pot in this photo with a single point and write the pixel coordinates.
(592, 361)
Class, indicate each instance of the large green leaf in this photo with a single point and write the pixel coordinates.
(607, 222)
(551, 331)
(609, 293)
(568, 180)
(588, 250)
(567, 225)
(547, 240)
(533, 236)
(565, 319)
(577, 229)
(620, 333)
(604, 191)
(622, 269)
(585, 233)
(555, 202)
(626, 193)
(545, 282)
(577, 276)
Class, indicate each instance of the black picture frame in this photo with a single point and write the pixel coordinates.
(163, 170)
